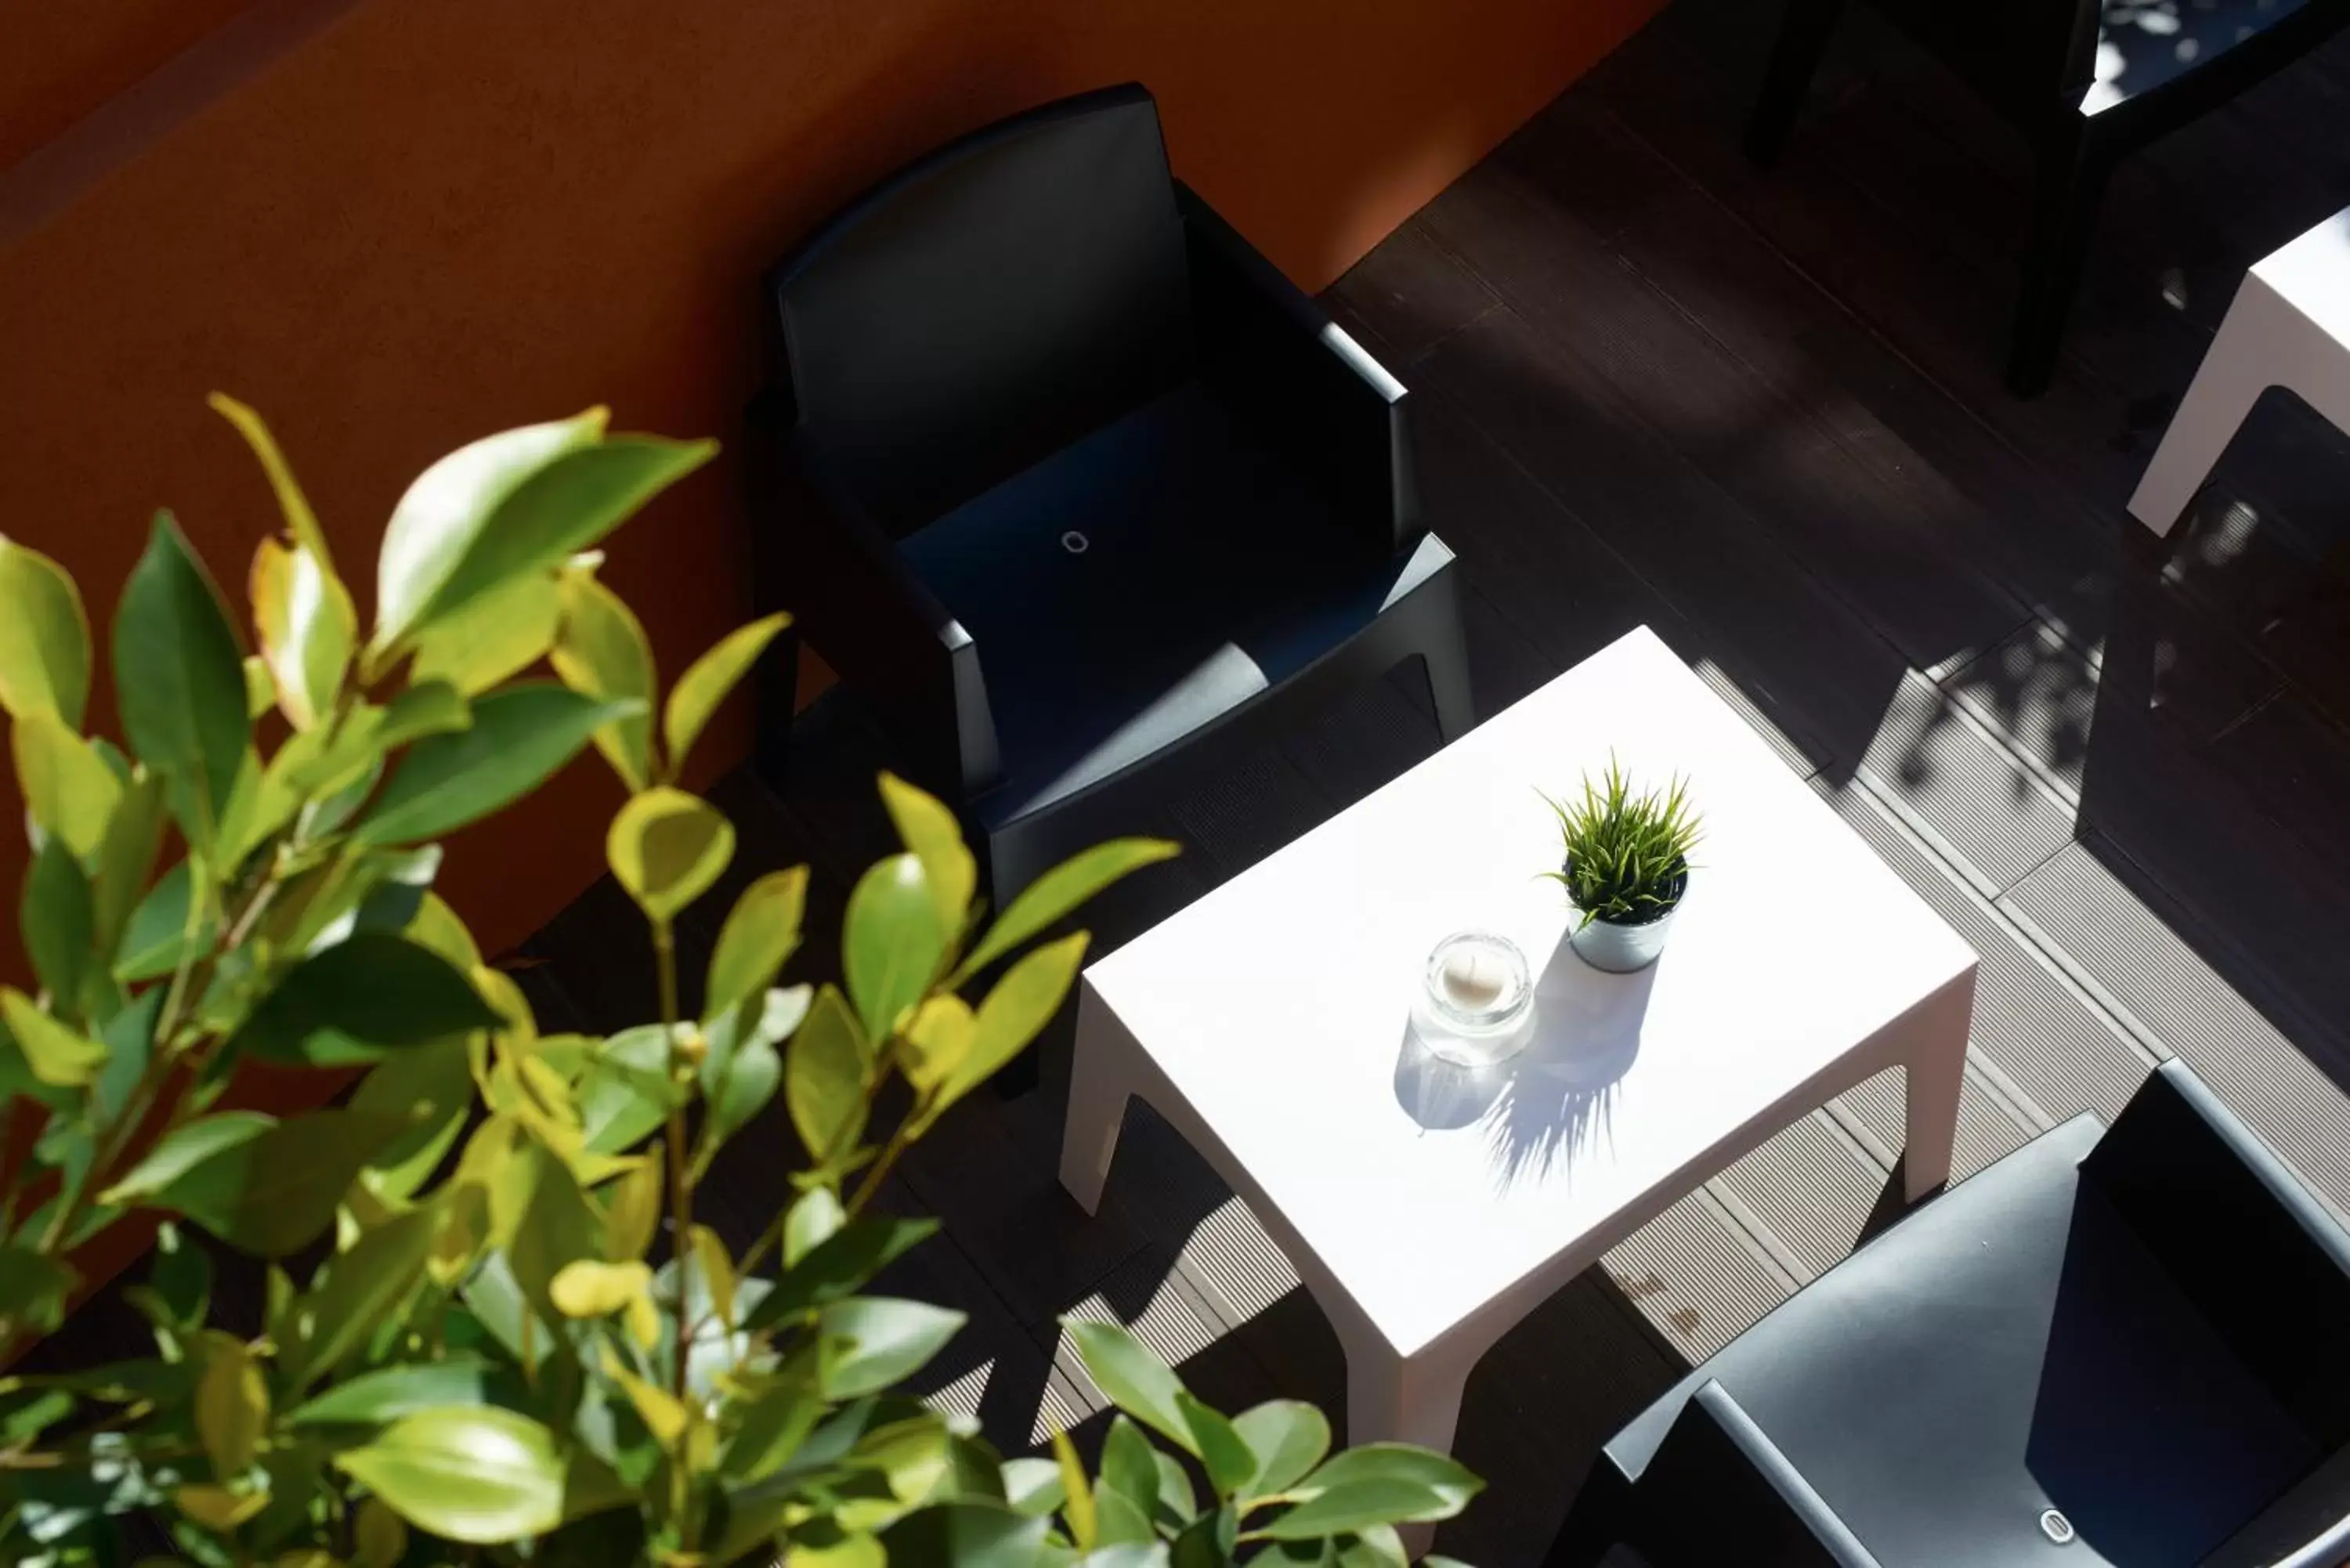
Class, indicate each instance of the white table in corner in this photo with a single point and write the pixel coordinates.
(1430, 1208)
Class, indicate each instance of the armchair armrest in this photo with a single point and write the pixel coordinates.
(1277, 360)
(1720, 1491)
(818, 554)
(2257, 1255)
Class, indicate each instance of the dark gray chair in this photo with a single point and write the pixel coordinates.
(1064, 479)
(2088, 82)
(2126, 1346)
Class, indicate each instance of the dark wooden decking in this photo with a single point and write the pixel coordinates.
(1761, 414)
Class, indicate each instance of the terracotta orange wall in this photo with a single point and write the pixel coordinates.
(428, 219)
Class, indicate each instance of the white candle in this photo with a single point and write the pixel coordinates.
(1473, 979)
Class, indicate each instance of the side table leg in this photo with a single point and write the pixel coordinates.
(2236, 370)
(1936, 1070)
(1099, 1086)
(1390, 1399)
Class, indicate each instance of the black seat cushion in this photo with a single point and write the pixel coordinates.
(2010, 1348)
(1209, 571)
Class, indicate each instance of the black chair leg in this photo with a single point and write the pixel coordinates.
(2066, 189)
(1803, 39)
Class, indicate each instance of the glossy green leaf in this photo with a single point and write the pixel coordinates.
(34, 1289)
(431, 1089)
(891, 943)
(500, 634)
(307, 628)
(438, 926)
(371, 1399)
(67, 787)
(44, 638)
(742, 1069)
(125, 859)
(1060, 891)
(260, 806)
(824, 1079)
(179, 681)
(260, 691)
(773, 1424)
(632, 1211)
(839, 1266)
(439, 520)
(57, 1053)
(58, 921)
(1226, 1457)
(814, 1219)
(1034, 1486)
(266, 1186)
(1288, 1438)
(379, 1536)
(371, 993)
(558, 1227)
(935, 1046)
(517, 738)
(601, 651)
(361, 1289)
(157, 933)
(667, 847)
(872, 1343)
(1357, 1505)
(708, 680)
(1379, 1483)
(1127, 1492)
(930, 832)
(761, 932)
(1177, 1501)
(232, 1404)
(1135, 1379)
(564, 507)
(300, 521)
(969, 1535)
(424, 707)
(1019, 1006)
(471, 1473)
(181, 1276)
(627, 1091)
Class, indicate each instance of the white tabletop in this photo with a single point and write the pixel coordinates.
(1278, 1004)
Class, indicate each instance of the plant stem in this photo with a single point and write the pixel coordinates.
(681, 1218)
(865, 1189)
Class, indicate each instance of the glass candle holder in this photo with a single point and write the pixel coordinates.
(1476, 1000)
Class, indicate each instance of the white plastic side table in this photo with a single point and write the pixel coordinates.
(2289, 326)
(1430, 1208)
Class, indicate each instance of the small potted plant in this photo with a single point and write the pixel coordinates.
(1626, 868)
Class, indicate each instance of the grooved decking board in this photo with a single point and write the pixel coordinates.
(1861, 538)
(2044, 1035)
(1811, 1188)
(1995, 817)
(1696, 544)
(1988, 1127)
(2261, 1075)
(1696, 1277)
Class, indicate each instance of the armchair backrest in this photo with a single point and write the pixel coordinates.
(2240, 1236)
(988, 304)
(2027, 57)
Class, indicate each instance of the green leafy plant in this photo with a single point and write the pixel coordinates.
(1626, 855)
(496, 1330)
